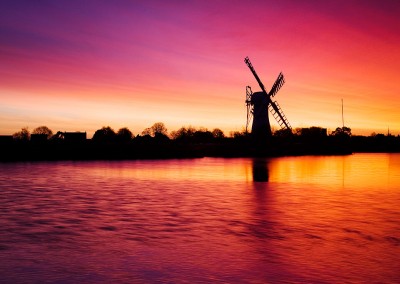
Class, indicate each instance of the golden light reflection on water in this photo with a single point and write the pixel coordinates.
(206, 169)
(281, 220)
(366, 171)
(335, 210)
(333, 172)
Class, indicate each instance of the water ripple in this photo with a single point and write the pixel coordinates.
(185, 221)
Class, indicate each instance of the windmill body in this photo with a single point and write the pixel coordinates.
(259, 104)
(261, 126)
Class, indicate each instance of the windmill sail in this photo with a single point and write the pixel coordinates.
(277, 85)
(279, 116)
(248, 63)
(249, 107)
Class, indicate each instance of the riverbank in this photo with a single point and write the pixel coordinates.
(153, 148)
(89, 150)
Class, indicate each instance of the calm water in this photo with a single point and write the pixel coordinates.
(283, 220)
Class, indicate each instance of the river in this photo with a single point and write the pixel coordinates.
(322, 219)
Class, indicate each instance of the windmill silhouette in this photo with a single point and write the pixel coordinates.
(258, 104)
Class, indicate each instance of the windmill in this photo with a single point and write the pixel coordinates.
(258, 104)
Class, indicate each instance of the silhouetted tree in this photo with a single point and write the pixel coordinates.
(178, 134)
(105, 134)
(379, 136)
(146, 131)
(124, 134)
(22, 135)
(342, 132)
(161, 137)
(183, 133)
(311, 132)
(285, 132)
(203, 136)
(297, 131)
(218, 133)
(43, 130)
(238, 134)
(159, 128)
(157, 131)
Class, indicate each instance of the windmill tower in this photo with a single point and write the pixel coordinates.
(258, 104)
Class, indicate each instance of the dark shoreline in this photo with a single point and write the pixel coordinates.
(171, 149)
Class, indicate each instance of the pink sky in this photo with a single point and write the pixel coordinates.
(81, 65)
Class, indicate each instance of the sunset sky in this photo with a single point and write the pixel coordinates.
(79, 65)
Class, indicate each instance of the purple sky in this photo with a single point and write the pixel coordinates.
(81, 65)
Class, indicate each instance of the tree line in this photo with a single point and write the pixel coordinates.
(157, 142)
(107, 134)
(187, 134)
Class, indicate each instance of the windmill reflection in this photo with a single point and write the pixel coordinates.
(260, 170)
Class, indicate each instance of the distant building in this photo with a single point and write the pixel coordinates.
(6, 139)
(70, 136)
(74, 136)
(38, 138)
(314, 132)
